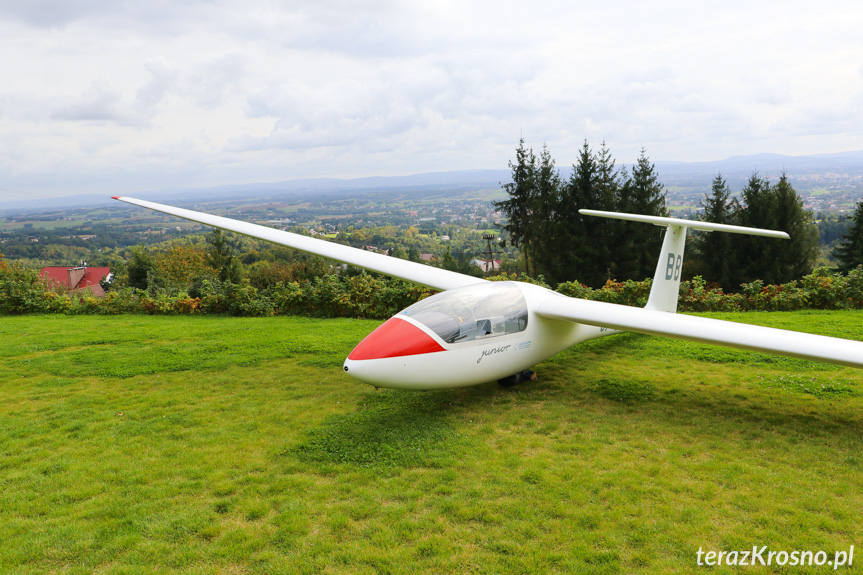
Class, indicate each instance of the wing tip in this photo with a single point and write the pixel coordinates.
(116, 197)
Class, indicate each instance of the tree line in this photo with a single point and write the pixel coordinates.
(733, 259)
(561, 245)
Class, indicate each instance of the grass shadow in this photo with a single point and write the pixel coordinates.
(391, 428)
(623, 390)
(788, 395)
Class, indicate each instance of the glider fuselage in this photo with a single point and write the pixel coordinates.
(464, 337)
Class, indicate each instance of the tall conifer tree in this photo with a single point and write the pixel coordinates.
(755, 257)
(849, 252)
(713, 250)
(797, 256)
(774, 208)
(563, 245)
(641, 193)
(519, 207)
(579, 237)
(543, 216)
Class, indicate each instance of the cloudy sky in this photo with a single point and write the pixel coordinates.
(116, 96)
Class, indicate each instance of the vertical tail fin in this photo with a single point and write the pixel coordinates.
(666, 279)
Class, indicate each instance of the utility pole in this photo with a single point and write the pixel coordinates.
(489, 266)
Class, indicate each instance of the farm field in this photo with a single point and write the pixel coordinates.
(203, 444)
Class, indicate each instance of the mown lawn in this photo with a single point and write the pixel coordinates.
(138, 444)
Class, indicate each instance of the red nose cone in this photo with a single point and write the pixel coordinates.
(395, 338)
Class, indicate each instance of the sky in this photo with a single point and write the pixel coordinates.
(117, 96)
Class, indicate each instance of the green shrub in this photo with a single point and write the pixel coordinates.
(288, 298)
(365, 295)
(854, 288)
(696, 295)
(244, 300)
(825, 289)
(22, 290)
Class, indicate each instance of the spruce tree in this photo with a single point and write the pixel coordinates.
(579, 241)
(797, 256)
(563, 245)
(608, 181)
(774, 208)
(755, 257)
(641, 193)
(712, 250)
(849, 252)
(519, 207)
(612, 236)
(545, 205)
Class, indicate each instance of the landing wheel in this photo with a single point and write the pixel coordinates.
(526, 375)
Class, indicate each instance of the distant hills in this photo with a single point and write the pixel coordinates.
(845, 161)
(323, 187)
(687, 178)
(737, 169)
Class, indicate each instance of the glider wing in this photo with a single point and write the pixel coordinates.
(705, 330)
(432, 277)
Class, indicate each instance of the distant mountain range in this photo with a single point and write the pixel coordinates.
(693, 176)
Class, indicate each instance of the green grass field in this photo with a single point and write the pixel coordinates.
(201, 445)
(37, 224)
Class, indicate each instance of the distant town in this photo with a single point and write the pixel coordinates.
(431, 214)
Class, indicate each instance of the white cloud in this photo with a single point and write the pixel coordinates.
(209, 83)
(98, 103)
(129, 93)
(162, 79)
(45, 13)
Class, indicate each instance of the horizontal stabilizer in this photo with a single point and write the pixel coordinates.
(693, 224)
(665, 289)
(705, 330)
(432, 277)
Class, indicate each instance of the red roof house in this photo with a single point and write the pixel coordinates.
(77, 279)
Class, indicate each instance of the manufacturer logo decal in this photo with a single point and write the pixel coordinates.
(493, 351)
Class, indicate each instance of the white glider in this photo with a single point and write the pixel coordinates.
(476, 331)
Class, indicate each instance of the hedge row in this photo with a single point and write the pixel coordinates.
(363, 296)
(370, 296)
(822, 289)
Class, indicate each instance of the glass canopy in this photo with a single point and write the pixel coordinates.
(473, 312)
